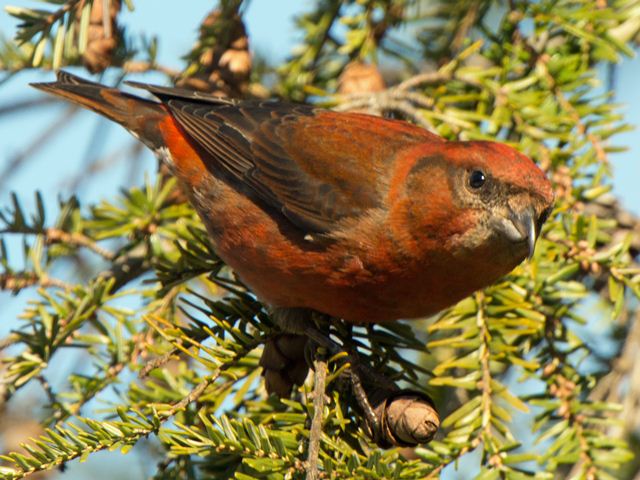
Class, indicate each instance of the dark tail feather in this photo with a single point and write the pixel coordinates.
(136, 114)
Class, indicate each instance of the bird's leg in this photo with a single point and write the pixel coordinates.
(357, 387)
(364, 403)
(278, 359)
(355, 376)
(393, 416)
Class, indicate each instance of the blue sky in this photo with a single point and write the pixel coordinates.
(269, 22)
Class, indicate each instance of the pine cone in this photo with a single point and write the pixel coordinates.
(102, 37)
(221, 57)
(406, 417)
(284, 363)
(358, 77)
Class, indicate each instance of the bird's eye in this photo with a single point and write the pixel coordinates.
(477, 179)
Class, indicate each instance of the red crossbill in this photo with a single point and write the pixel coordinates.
(359, 217)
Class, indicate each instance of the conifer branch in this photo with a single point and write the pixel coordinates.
(315, 432)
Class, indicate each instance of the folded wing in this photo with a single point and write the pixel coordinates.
(315, 166)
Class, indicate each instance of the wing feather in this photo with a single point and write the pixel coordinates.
(315, 167)
(247, 148)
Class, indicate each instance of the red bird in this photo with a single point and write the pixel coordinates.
(359, 217)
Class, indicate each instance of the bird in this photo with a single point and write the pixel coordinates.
(357, 217)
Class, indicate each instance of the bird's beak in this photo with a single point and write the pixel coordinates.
(525, 223)
(520, 227)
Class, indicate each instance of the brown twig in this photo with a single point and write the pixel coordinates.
(18, 281)
(193, 395)
(48, 389)
(138, 66)
(467, 22)
(401, 99)
(390, 100)
(58, 14)
(485, 383)
(319, 401)
(9, 340)
(56, 235)
(424, 78)
(157, 362)
(200, 388)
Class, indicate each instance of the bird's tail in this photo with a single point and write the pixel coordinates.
(138, 115)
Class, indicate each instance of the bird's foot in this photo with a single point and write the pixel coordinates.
(393, 417)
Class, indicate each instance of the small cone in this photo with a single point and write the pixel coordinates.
(284, 363)
(358, 77)
(407, 418)
(102, 37)
(222, 61)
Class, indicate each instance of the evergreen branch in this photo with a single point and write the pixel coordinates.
(9, 340)
(390, 101)
(61, 445)
(439, 76)
(195, 393)
(46, 22)
(486, 404)
(97, 384)
(401, 99)
(568, 107)
(532, 87)
(157, 363)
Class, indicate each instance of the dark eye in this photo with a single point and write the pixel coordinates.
(477, 179)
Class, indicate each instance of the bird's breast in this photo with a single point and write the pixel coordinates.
(369, 272)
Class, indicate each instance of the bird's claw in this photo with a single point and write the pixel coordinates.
(363, 402)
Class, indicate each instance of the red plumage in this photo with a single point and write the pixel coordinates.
(359, 217)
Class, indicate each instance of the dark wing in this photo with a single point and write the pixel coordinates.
(315, 166)
(186, 94)
(245, 142)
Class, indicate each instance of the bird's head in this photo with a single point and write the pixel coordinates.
(491, 199)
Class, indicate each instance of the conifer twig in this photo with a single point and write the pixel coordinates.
(193, 395)
(18, 281)
(319, 387)
(57, 235)
(157, 362)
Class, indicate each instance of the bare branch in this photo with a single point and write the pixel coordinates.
(56, 235)
(19, 281)
(319, 401)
